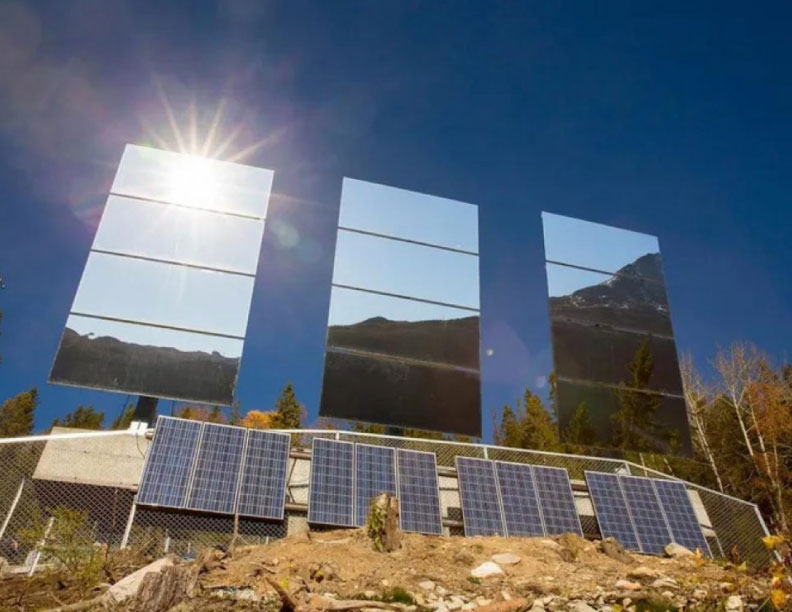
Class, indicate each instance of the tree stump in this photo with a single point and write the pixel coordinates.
(160, 591)
(382, 524)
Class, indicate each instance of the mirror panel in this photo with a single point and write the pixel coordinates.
(399, 327)
(193, 181)
(165, 294)
(180, 235)
(585, 352)
(659, 422)
(621, 302)
(143, 360)
(408, 270)
(391, 392)
(408, 215)
(601, 247)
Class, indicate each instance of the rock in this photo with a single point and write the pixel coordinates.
(463, 557)
(384, 583)
(369, 594)
(506, 558)
(734, 603)
(626, 584)
(483, 601)
(581, 606)
(677, 551)
(668, 595)
(506, 595)
(726, 587)
(469, 606)
(454, 603)
(548, 543)
(129, 586)
(419, 599)
(665, 583)
(486, 569)
(427, 585)
(643, 573)
(441, 591)
(626, 602)
(613, 549)
(441, 608)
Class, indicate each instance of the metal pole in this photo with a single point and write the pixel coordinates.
(37, 556)
(130, 520)
(14, 503)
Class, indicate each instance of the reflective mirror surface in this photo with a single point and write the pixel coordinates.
(193, 181)
(625, 419)
(140, 359)
(408, 215)
(615, 301)
(409, 270)
(400, 327)
(584, 352)
(164, 294)
(599, 247)
(397, 392)
(179, 234)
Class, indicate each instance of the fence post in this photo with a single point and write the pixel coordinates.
(37, 556)
(14, 503)
(486, 454)
(130, 520)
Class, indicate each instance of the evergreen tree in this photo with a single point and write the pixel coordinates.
(16, 414)
(84, 417)
(123, 420)
(580, 431)
(288, 411)
(530, 425)
(635, 426)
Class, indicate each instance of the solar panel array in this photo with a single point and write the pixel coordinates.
(478, 492)
(331, 485)
(215, 468)
(375, 473)
(645, 514)
(418, 491)
(513, 499)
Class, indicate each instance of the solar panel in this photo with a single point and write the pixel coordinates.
(650, 524)
(681, 517)
(216, 472)
(419, 498)
(169, 463)
(521, 513)
(331, 485)
(610, 507)
(478, 492)
(375, 473)
(556, 501)
(262, 491)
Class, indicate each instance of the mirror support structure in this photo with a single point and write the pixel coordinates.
(146, 409)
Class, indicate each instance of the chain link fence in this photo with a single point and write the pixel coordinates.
(97, 474)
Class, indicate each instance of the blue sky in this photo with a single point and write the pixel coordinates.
(670, 120)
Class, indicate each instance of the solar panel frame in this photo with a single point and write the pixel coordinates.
(648, 517)
(611, 510)
(263, 475)
(419, 505)
(680, 515)
(166, 476)
(479, 495)
(556, 500)
(215, 479)
(369, 480)
(522, 516)
(337, 484)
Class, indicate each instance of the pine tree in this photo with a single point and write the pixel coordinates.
(83, 417)
(635, 426)
(539, 429)
(16, 414)
(123, 420)
(288, 411)
(580, 431)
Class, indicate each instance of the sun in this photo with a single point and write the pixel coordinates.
(193, 179)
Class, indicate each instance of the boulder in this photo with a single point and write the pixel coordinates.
(506, 558)
(734, 603)
(427, 585)
(643, 573)
(486, 569)
(677, 551)
(627, 585)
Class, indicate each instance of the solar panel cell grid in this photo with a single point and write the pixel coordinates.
(685, 527)
(650, 524)
(331, 485)
(263, 486)
(478, 491)
(518, 496)
(419, 499)
(610, 507)
(556, 501)
(216, 473)
(375, 473)
(169, 463)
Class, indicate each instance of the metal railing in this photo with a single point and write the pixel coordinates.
(97, 473)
